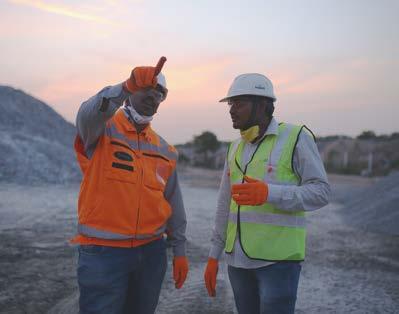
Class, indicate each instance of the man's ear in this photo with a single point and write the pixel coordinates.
(260, 111)
(269, 110)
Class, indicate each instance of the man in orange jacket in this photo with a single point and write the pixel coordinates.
(129, 198)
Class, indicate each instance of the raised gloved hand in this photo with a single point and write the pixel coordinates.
(180, 270)
(144, 76)
(252, 192)
(210, 274)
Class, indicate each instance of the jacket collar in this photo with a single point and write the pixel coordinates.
(272, 129)
(123, 119)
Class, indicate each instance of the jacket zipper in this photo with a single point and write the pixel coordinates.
(141, 186)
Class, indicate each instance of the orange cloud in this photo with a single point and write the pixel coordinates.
(62, 10)
(189, 83)
(323, 85)
(304, 78)
(196, 80)
(190, 80)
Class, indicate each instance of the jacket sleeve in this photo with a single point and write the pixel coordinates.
(314, 190)
(218, 239)
(94, 113)
(176, 226)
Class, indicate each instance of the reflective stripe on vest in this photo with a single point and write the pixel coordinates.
(101, 234)
(112, 132)
(265, 232)
(268, 218)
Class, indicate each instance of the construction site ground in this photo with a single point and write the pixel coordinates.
(347, 269)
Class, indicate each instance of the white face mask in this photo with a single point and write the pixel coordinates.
(138, 118)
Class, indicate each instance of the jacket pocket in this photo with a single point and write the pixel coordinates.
(120, 163)
(157, 170)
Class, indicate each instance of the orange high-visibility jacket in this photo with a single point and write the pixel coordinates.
(122, 191)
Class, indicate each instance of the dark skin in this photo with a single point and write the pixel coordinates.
(146, 102)
(240, 112)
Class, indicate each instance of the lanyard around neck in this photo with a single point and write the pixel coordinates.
(253, 155)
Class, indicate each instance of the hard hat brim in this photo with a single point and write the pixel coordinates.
(225, 99)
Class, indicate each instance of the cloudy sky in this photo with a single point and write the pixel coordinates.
(334, 63)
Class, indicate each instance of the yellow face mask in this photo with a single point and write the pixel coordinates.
(250, 134)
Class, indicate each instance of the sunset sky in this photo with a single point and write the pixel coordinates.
(334, 63)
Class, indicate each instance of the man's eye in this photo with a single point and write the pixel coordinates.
(158, 95)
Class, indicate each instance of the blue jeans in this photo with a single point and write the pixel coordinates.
(269, 289)
(121, 280)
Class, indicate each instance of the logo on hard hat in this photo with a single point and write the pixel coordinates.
(259, 87)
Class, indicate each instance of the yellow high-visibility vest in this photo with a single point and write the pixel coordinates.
(266, 232)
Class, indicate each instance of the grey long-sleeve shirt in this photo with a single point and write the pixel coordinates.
(312, 193)
(90, 122)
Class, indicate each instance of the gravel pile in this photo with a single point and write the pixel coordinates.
(36, 143)
(376, 208)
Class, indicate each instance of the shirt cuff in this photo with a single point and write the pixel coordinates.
(180, 250)
(113, 98)
(275, 195)
(216, 252)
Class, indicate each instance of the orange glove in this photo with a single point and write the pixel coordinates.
(142, 77)
(253, 192)
(180, 270)
(210, 274)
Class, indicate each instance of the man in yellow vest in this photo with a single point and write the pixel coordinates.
(273, 174)
(129, 198)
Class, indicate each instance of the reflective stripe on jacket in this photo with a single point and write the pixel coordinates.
(122, 191)
(265, 232)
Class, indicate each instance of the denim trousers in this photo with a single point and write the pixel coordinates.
(116, 280)
(269, 289)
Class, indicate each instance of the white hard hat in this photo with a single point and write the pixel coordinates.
(161, 80)
(250, 84)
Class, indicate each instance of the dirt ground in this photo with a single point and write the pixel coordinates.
(346, 270)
